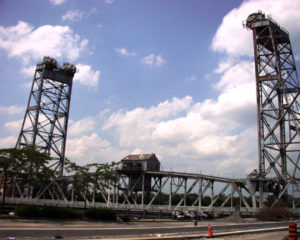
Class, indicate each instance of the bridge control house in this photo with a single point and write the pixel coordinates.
(135, 165)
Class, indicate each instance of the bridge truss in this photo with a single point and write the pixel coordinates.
(122, 196)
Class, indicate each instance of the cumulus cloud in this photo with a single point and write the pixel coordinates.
(72, 15)
(13, 127)
(238, 75)
(185, 133)
(235, 41)
(86, 76)
(82, 126)
(57, 2)
(11, 110)
(28, 70)
(153, 61)
(31, 44)
(90, 149)
(125, 52)
(8, 142)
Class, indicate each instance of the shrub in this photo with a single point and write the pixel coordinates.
(58, 212)
(101, 214)
(29, 211)
(274, 214)
(218, 215)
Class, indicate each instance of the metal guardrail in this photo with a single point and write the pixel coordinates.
(133, 207)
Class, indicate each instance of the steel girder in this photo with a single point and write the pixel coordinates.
(47, 113)
(277, 89)
(62, 191)
(183, 185)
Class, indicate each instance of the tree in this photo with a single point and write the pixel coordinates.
(90, 178)
(81, 178)
(8, 167)
(26, 164)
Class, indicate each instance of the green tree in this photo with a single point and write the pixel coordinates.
(27, 164)
(90, 178)
(81, 179)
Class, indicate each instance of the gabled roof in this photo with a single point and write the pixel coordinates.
(138, 157)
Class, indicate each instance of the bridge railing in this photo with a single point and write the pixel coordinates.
(131, 207)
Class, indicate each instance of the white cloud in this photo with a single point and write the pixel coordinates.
(86, 76)
(28, 70)
(237, 75)
(8, 142)
(184, 133)
(232, 39)
(138, 124)
(153, 61)
(11, 110)
(73, 15)
(125, 52)
(224, 65)
(82, 126)
(57, 2)
(29, 44)
(90, 149)
(13, 127)
(109, 1)
(192, 78)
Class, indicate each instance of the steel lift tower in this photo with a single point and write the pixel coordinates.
(277, 89)
(47, 113)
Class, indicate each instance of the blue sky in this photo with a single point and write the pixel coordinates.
(172, 77)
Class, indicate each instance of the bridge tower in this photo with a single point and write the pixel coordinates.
(47, 113)
(277, 89)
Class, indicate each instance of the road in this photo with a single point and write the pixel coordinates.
(264, 236)
(44, 229)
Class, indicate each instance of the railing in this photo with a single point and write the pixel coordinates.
(134, 207)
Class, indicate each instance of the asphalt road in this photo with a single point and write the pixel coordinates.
(43, 229)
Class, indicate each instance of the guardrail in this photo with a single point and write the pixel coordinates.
(133, 207)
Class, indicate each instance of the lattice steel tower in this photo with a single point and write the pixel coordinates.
(47, 113)
(277, 89)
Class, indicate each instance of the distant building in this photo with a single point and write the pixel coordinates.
(134, 165)
(141, 162)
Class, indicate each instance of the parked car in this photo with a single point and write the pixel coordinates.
(188, 214)
(178, 215)
(204, 215)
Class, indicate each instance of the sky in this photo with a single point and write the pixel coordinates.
(173, 77)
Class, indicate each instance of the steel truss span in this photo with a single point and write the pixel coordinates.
(141, 187)
(125, 196)
(46, 117)
(277, 89)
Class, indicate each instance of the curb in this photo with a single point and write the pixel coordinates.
(224, 234)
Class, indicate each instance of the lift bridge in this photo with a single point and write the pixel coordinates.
(141, 182)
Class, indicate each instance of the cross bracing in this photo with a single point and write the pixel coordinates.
(220, 192)
(277, 89)
(46, 117)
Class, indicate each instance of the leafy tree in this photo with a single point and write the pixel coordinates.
(27, 164)
(91, 177)
(81, 178)
(8, 167)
